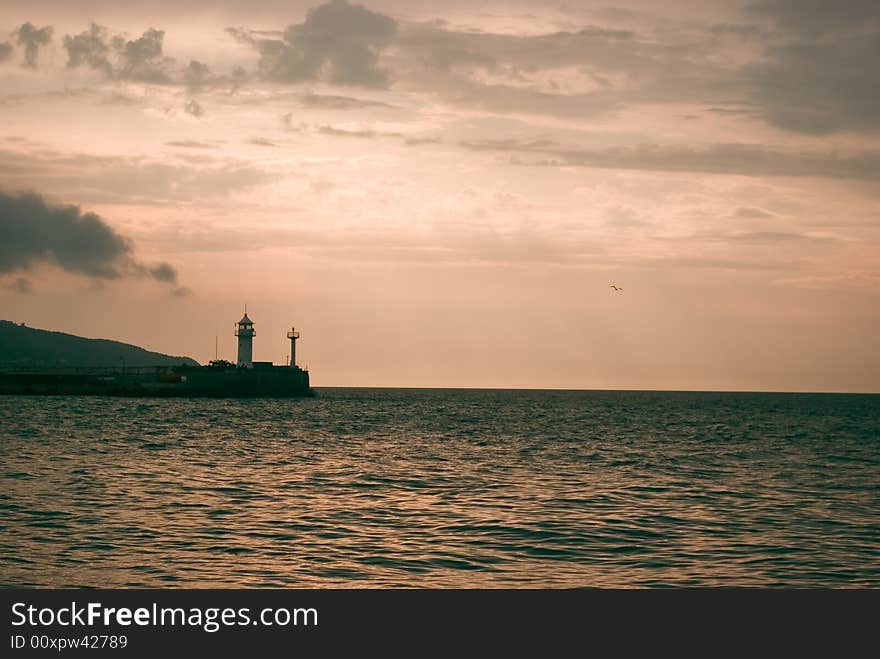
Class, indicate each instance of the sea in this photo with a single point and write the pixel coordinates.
(442, 488)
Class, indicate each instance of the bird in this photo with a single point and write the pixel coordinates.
(616, 288)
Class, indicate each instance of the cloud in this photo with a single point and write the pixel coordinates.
(334, 102)
(334, 131)
(192, 144)
(113, 55)
(623, 218)
(261, 141)
(720, 158)
(36, 232)
(164, 272)
(833, 281)
(818, 17)
(416, 141)
(31, 38)
(237, 78)
(752, 213)
(759, 237)
(337, 43)
(142, 57)
(805, 66)
(6, 50)
(142, 60)
(197, 76)
(194, 108)
(133, 179)
(78, 242)
(436, 47)
(363, 133)
(90, 48)
(820, 75)
(576, 73)
(21, 285)
(730, 112)
(818, 87)
(118, 98)
(734, 29)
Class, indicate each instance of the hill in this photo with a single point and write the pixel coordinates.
(26, 347)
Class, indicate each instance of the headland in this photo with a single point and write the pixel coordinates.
(150, 374)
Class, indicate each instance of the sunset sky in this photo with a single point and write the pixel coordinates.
(442, 193)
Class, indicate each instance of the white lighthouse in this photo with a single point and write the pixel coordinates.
(245, 333)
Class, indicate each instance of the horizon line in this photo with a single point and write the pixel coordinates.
(593, 389)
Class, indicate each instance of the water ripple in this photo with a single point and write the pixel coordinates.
(445, 488)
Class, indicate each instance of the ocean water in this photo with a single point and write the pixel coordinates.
(442, 488)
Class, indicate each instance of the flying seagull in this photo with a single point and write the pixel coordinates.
(616, 288)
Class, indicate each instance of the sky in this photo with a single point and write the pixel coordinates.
(442, 193)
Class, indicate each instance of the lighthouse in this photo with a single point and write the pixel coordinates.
(245, 333)
(293, 335)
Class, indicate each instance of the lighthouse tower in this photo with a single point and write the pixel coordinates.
(245, 333)
(293, 335)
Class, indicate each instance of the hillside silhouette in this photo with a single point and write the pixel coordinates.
(22, 346)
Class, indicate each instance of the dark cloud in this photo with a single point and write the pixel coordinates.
(574, 74)
(341, 43)
(138, 59)
(142, 57)
(21, 285)
(36, 232)
(194, 108)
(820, 74)
(31, 38)
(79, 242)
(164, 272)
(819, 17)
(6, 50)
(821, 86)
(89, 48)
(438, 48)
(595, 47)
(261, 141)
(814, 72)
(739, 159)
(197, 76)
(237, 78)
(337, 43)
